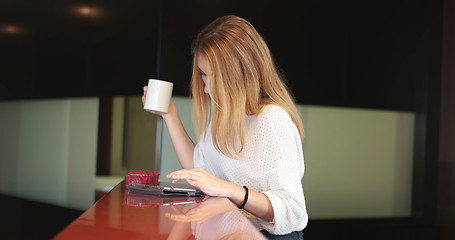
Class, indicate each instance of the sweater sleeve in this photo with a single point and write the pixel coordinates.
(282, 171)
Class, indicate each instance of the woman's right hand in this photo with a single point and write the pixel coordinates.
(172, 107)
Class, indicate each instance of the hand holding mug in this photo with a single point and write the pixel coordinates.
(157, 96)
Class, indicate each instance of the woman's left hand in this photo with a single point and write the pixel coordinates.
(203, 180)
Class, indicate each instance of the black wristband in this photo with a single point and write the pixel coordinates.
(245, 199)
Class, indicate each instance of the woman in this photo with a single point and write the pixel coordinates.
(250, 148)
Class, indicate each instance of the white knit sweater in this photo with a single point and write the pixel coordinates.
(271, 163)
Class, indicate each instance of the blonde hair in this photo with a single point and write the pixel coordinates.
(244, 78)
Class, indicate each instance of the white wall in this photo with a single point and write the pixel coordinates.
(48, 150)
(358, 161)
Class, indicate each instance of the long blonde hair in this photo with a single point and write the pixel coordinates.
(244, 79)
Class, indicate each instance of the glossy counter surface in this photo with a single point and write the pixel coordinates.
(123, 215)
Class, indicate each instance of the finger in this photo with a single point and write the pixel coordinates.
(192, 212)
(144, 93)
(176, 210)
(193, 183)
(178, 176)
(180, 217)
(180, 171)
(182, 174)
(177, 217)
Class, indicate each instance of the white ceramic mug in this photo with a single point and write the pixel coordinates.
(158, 95)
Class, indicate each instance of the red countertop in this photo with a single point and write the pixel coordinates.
(123, 215)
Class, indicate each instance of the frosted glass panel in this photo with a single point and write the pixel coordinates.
(43, 150)
(358, 162)
(48, 151)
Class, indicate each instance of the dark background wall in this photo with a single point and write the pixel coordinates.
(342, 53)
(76, 48)
(367, 54)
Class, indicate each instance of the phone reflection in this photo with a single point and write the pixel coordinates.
(212, 218)
(148, 201)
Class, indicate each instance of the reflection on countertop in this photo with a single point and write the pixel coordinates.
(123, 215)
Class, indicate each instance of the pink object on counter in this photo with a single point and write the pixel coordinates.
(148, 177)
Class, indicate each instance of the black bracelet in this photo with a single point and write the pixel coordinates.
(245, 199)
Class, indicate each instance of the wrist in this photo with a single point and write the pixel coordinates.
(168, 117)
(237, 194)
(245, 199)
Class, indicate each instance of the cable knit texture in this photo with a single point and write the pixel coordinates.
(271, 163)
